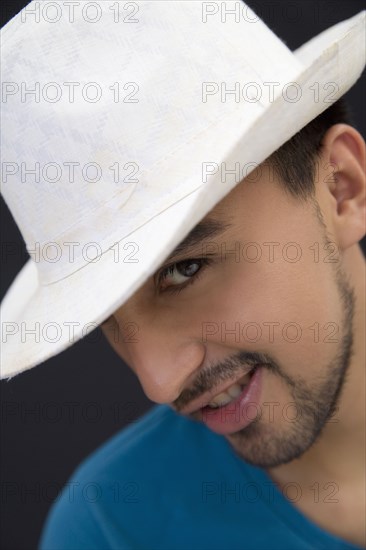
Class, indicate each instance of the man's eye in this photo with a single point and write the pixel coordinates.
(177, 276)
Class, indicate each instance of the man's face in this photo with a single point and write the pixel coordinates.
(267, 294)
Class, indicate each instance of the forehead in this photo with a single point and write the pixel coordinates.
(250, 195)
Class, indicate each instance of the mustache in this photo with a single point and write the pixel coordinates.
(230, 368)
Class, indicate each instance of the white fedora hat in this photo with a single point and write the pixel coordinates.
(116, 120)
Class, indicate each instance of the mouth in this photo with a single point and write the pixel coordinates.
(235, 408)
(216, 400)
(231, 393)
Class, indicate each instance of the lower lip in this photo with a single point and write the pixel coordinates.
(239, 413)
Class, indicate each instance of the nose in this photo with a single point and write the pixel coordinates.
(165, 359)
(164, 369)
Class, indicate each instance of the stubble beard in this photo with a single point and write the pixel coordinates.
(261, 443)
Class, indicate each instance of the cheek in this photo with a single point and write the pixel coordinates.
(290, 311)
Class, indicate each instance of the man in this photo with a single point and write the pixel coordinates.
(252, 331)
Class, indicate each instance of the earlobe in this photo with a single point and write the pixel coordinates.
(345, 150)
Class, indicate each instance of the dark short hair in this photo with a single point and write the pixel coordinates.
(295, 162)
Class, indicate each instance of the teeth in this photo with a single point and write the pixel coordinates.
(234, 390)
(231, 393)
(226, 397)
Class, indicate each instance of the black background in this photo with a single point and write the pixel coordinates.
(56, 414)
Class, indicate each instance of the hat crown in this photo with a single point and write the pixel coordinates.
(115, 172)
(95, 99)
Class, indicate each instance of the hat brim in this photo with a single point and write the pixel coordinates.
(96, 290)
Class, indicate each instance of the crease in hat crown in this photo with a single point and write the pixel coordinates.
(167, 133)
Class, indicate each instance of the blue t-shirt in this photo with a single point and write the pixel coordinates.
(168, 482)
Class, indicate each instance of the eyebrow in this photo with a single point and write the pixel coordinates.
(206, 229)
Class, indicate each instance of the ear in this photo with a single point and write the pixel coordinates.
(345, 151)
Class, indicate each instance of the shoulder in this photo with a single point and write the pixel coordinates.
(131, 475)
(145, 444)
